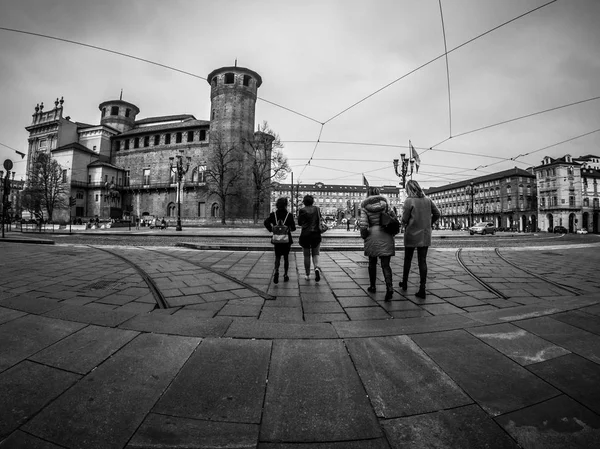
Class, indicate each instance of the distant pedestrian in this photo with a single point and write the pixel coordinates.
(378, 243)
(419, 215)
(137, 223)
(309, 217)
(281, 216)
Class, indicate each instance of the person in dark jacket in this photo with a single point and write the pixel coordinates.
(281, 249)
(378, 243)
(309, 217)
(419, 215)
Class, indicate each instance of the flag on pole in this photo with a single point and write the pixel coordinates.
(365, 182)
(414, 155)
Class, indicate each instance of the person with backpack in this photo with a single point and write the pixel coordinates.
(379, 243)
(281, 224)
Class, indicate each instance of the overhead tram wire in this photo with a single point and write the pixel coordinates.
(126, 55)
(436, 58)
(512, 120)
(447, 71)
(314, 149)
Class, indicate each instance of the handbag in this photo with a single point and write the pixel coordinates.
(281, 234)
(322, 226)
(390, 224)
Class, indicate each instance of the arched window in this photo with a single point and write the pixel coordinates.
(214, 210)
(586, 202)
(229, 78)
(171, 210)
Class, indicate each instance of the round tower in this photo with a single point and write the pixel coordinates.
(118, 114)
(233, 101)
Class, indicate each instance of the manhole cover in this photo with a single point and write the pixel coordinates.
(103, 285)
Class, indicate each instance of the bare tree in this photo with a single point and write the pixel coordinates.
(223, 171)
(268, 164)
(47, 189)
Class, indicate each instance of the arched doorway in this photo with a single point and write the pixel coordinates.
(572, 223)
(550, 222)
(585, 220)
(595, 223)
(523, 223)
(534, 225)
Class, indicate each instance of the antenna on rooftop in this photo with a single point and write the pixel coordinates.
(121, 97)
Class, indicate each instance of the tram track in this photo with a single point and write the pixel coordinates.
(571, 290)
(160, 299)
(500, 294)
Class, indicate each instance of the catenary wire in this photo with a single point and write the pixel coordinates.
(447, 70)
(436, 58)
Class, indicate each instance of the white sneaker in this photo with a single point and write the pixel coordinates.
(307, 277)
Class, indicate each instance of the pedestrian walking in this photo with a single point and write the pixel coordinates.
(419, 215)
(282, 222)
(379, 244)
(309, 218)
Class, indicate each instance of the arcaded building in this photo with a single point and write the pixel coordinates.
(122, 167)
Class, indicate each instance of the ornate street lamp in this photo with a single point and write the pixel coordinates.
(403, 168)
(471, 191)
(179, 170)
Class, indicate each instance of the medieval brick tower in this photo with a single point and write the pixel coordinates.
(233, 101)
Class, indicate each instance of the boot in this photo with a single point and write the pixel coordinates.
(276, 278)
(421, 293)
(388, 294)
(372, 278)
(403, 285)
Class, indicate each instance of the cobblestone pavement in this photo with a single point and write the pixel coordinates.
(121, 346)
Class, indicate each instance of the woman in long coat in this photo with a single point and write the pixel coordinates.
(281, 249)
(378, 243)
(419, 215)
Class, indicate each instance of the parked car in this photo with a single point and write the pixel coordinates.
(582, 231)
(483, 228)
(560, 230)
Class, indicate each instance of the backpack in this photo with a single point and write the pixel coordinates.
(281, 232)
(389, 224)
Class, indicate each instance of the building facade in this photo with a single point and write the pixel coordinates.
(507, 198)
(335, 201)
(568, 192)
(123, 167)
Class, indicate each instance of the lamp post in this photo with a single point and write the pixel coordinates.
(179, 170)
(471, 192)
(403, 168)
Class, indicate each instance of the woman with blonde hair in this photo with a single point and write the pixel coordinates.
(378, 243)
(419, 215)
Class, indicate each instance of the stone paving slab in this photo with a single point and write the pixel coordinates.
(521, 346)
(574, 375)
(224, 380)
(22, 440)
(569, 337)
(400, 379)
(466, 427)
(111, 402)
(315, 395)
(90, 315)
(160, 431)
(24, 336)
(268, 330)
(557, 423)
(30, 304)
(26, 389)
(9, 314)
(84, 350)
(496, 383)
(178, 324)
(378, 328)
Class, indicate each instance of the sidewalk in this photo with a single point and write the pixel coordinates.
(88, 359)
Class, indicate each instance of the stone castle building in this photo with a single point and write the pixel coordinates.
(123, 166)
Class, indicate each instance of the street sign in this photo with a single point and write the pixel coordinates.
(8, 165)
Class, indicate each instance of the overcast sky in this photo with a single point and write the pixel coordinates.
(317, 58)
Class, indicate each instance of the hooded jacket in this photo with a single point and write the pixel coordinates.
(378, 242)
